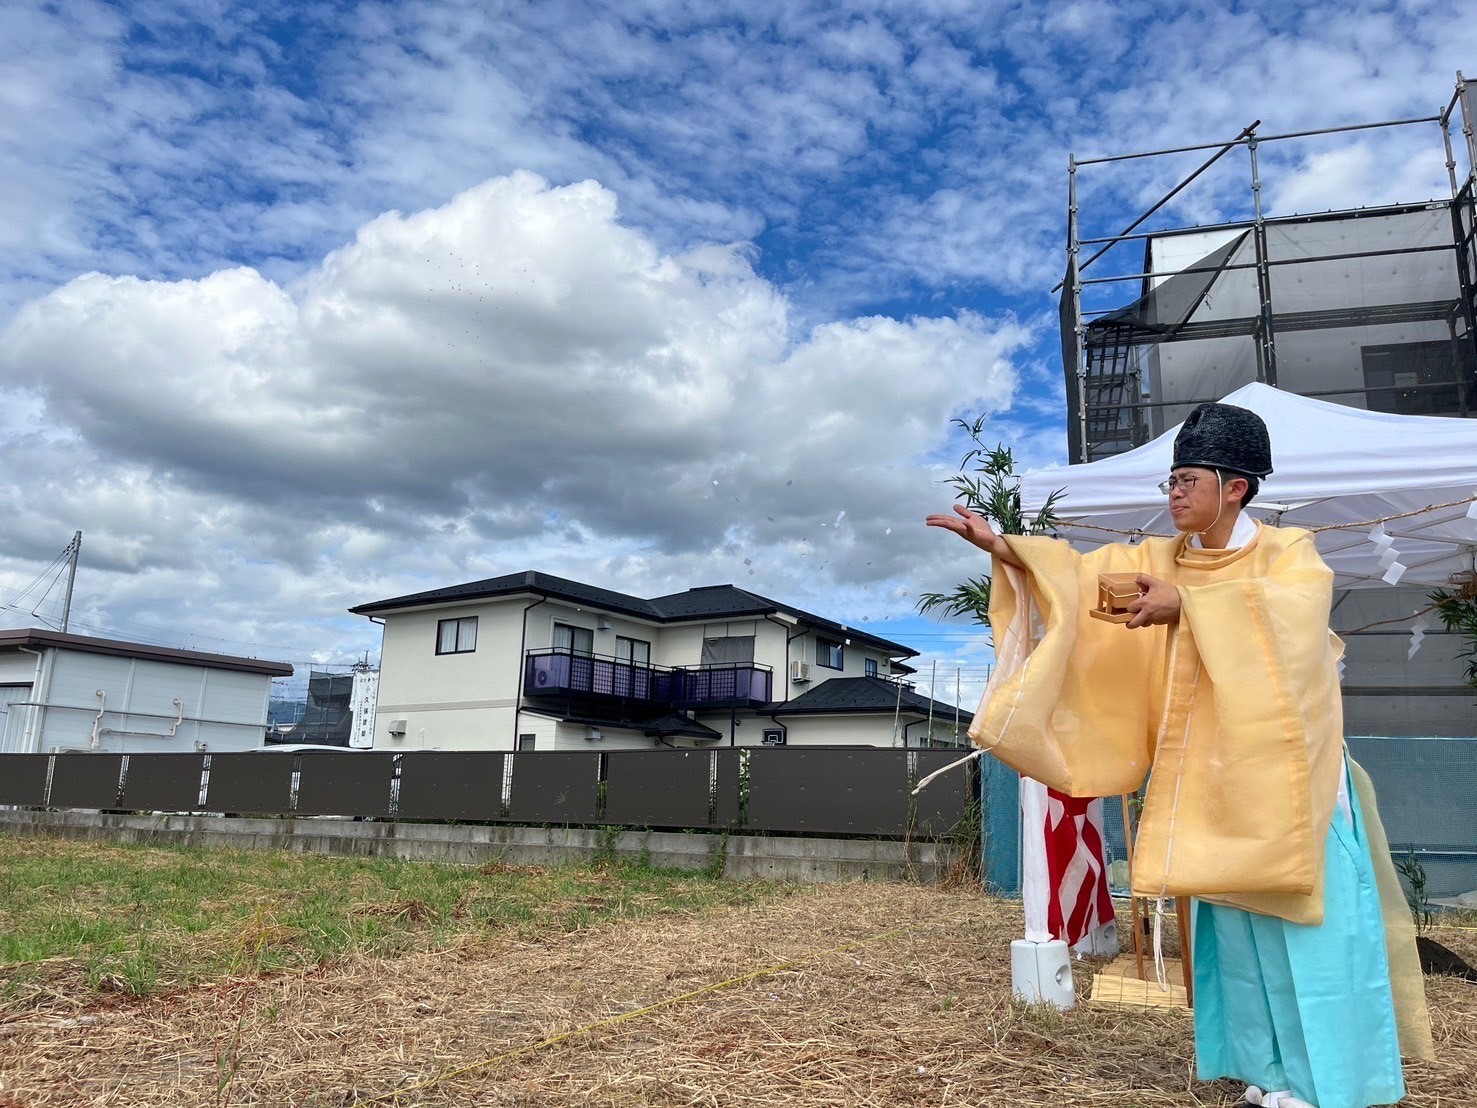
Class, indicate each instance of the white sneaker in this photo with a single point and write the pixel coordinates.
(1279, 1098)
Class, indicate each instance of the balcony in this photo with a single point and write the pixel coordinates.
(561, 673)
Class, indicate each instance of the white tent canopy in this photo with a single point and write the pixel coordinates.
(1337, 470)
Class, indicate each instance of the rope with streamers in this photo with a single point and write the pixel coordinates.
(1140, 533)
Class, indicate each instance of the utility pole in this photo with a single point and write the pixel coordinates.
(74, 551)
(958, 693)
(933, 677)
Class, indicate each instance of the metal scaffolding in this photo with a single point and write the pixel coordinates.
(1376, 307)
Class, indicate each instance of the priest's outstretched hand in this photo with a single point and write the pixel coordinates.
(1158, 603)
(976, 529)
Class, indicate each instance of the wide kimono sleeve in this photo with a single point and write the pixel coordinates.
(1253, 717)
(1070, 700)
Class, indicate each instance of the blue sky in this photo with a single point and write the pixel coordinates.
(303, 305)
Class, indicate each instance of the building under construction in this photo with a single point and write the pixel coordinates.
(1371, 307)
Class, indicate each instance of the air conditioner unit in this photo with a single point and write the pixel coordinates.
(602, 624)
(800, 672)
(397, 728)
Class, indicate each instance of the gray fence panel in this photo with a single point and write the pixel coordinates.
(657, 788)
(942, 807)
(254, 784)
(357, 784)
(445, 785)
(163, 782)
(726, 803)
(86, 780)
(555, 787)
(833, 791)
(23, 781)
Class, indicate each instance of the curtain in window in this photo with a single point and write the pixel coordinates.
(729, 650)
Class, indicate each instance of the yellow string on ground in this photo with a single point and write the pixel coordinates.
(553, 1040)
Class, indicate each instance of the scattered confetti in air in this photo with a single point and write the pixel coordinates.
(888, 531)
(789, 483)
(748, 561)
(840, 516)
(715, 482)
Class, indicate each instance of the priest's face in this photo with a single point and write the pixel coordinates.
(1197, 497)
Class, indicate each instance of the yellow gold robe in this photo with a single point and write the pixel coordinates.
(1236, 709)
(1234, 714)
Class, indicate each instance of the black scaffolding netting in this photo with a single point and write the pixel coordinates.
(1372, 309)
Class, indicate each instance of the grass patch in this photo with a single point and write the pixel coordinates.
(79, 917)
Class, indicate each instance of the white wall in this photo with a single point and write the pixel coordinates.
(857, 730)
(223, 709)
(18, 668)
(450, 701)
(853, 660)
(541, 622)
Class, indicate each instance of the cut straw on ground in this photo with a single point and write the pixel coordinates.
(872, 995)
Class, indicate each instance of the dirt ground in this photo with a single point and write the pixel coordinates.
(858, 994)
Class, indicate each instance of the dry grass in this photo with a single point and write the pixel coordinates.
(918, 1017)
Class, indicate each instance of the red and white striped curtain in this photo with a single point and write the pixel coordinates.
(1064, 869)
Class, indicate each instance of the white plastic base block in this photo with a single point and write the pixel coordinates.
(1042, 973)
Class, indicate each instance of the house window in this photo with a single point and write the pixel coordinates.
(456, 636)
(869, 667)
(576, 640)
(636, 651)
(830, 653)
(526, 742)
(728, 650)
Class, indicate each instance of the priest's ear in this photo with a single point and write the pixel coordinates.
(1239, 488)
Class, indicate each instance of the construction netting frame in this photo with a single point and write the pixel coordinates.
(1372, 307)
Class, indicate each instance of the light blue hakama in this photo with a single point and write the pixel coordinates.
(1285, 1006)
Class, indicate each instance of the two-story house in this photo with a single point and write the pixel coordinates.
(529, 661)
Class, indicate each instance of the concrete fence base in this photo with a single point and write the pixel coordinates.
(739, 857)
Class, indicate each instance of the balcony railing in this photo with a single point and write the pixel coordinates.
(563, 672)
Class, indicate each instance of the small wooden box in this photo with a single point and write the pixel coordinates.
(1114, 593)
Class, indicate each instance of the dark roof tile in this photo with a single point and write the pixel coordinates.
(706, 602)
(862, 694)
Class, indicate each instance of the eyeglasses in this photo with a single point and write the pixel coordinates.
(1181, 481)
